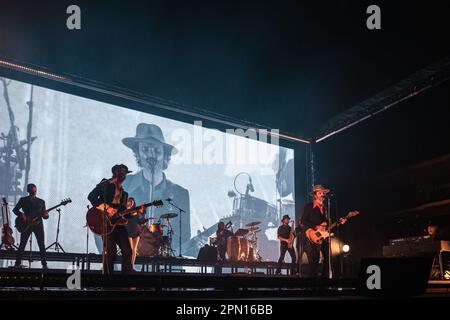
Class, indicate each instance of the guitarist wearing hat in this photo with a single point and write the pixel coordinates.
(111, 192)
(286, 236)
(315, 217)
(33, 213)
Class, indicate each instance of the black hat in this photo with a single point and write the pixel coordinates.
(146, 132)
(286, 216)
(120, 166)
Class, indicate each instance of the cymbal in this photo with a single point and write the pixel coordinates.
(252, 224)
(169, 216)
(255, 230)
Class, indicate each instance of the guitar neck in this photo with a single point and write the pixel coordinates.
(122, 213)
(335, 224)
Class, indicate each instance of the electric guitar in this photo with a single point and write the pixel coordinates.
(319, 235)
(103, 218)
(22, 225)
(7, 233)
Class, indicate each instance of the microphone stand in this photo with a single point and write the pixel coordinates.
(330, 270)
(56, 243)
(87, 238)
(152, 164)
(181, 212)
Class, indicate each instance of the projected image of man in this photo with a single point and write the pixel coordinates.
(153, 157)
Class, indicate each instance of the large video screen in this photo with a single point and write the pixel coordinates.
(211, 175)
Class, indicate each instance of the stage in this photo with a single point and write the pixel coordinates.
(174, 278)
(86, 262)
(35, 284)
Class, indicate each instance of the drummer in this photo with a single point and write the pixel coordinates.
(222, 235)
(133, 227)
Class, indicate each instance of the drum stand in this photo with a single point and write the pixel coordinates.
(56, 243)
(166, 248)
(179, 236)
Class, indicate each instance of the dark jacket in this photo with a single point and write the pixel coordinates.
(312, 217)
(104, 193)
(32, 208)
(139, 188)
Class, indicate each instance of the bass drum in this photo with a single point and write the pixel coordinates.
(237, 248)
(149, 244)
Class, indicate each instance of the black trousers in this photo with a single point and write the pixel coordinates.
(283, 248)
(38, 231)
(313, 253)
(222, 250)
(119, 237)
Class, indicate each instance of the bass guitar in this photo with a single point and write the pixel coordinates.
(7, 233)
(22, 225)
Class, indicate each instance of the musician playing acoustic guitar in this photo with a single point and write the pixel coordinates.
(33, 212)
(315, 218)
(111, 192)
(286, 237)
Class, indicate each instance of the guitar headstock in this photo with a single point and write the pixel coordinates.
(352, 214)
(4, 201)
(66, 201)
(157, 203)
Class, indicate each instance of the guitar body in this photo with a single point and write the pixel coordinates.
(20, 224)
(317, 236)
(7, 236)
(98, 222)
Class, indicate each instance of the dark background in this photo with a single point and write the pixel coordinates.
(284, 64)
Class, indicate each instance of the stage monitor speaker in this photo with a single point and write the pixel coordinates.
(207, 253)
(391, 277)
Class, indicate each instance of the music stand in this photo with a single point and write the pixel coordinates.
(56, 243)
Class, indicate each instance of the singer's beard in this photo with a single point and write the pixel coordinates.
(147, 164)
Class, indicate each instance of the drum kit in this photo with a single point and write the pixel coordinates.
(243, 245)
(156, 238)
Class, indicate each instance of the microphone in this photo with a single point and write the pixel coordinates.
(152, 161)
(252, 189)
(168, 199)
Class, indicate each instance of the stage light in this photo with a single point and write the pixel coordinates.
(31, 70)
(345, 248)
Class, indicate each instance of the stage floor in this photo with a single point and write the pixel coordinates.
(34, 284)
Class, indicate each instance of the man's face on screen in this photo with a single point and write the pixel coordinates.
(149, 151)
